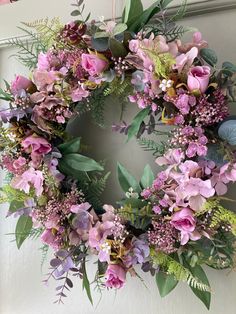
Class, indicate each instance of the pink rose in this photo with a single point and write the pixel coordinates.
(36, 145)
(115, 276)
(20, 83)
(198, 78)
(94, 64)
(185, 222)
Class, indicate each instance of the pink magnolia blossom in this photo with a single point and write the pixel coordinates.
(30, 178)
(185, 222)
(185, 60)
(20, 83)
(115, 276)
(198, 78)
(94, 64)
(197, 42)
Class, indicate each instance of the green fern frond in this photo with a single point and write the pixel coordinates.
(219, 214)
(44, 249)
(35, 233)
(223, 215)
(150, 145)
(181, 273)
(162, 62)
(118, 88)
(9, 194)
(95, 190)
(97, 107)
(46, 29)
(139, 218)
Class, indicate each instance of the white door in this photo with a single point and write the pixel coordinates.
(21, 288)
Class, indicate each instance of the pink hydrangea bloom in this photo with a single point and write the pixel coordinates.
(79, 93)
(30, 178)
(172, 157)
(115, 276)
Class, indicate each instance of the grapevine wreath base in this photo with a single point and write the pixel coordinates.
(171, 223)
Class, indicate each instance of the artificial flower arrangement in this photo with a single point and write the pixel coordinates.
(172, 223)
(7, 1)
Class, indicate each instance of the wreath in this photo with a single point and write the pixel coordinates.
(171, 223)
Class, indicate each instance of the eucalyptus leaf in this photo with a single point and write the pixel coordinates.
(126, 180)
(165, 283)
(70, 147)
(23, 228)
(227, 131)
(117, 48)
(101, 35)
(79, 162)
(147, 178)
(209, 56)
(138, 119)
(75, 13)
(119, 28)
(100, 44)
(229, 66)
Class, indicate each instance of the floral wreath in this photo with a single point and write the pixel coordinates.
(171, 223)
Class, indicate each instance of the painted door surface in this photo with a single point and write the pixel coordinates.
(21, 287)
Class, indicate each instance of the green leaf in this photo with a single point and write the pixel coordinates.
(135, 125)
(165, 283)
(76, 174)
(145, 17)
(126, 180)
(86, 284)
(117, 48)
(100, 44)
(70, 147)
(199, 273)
(75, 13)
(147, 178)
(133, 202)
(23, 228)
(15, 205)
(209, 56)
(101, 35)
(133, 9)
(228, 68)
(119, 28)
(77, 162)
